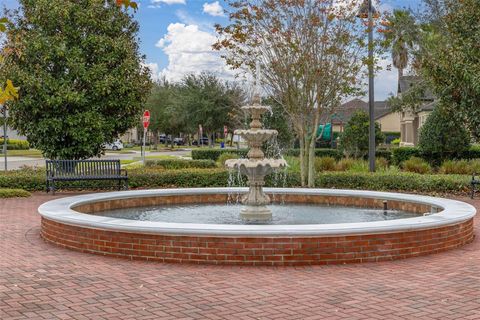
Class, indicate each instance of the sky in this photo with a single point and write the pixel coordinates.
(176, 37)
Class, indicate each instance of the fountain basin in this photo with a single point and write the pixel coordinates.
(75, 223)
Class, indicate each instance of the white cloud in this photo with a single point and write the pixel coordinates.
(213, 9)
(189, 50)
(386, 81)
(169, 1)
(154, 72)
(158, 3)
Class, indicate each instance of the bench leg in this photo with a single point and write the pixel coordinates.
(48, 186)
(125, 187)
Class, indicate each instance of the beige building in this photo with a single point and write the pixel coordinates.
(389, 121)
(412, 122)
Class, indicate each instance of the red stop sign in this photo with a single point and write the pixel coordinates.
(146, 119)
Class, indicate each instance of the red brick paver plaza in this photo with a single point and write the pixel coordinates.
(42, 281)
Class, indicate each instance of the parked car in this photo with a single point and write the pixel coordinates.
(203, 141)
(115, 145)
(164, 139)
(178, 141)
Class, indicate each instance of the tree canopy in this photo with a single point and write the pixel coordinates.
(81, 78)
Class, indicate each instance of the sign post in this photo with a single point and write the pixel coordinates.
(146, 123)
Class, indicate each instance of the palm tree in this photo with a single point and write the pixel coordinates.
(400, 36)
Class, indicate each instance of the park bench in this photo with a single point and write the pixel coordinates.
(474, 183)
(85, 170)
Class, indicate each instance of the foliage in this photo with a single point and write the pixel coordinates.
(309, 61)
(345, 164)
(402, 154)
(278, 120)
(13, 193)
(449, 59)
(13, 144)
(325, 164)
(207, 101)
(80, 87)
(443, 135)
(34, 180)
(226, 156)
(318, 153)
(382, 163)
(396, 142)
(176, 164)
(400, 35)
(456, 167)
(354, 140)
(383, 153)
(214, 154)
(416, 165)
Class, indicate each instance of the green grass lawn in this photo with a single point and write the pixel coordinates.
(33, 153)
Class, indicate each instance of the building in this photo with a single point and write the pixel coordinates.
(411, 122)
(389, 121)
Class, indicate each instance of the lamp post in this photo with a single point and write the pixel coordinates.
(368, 11)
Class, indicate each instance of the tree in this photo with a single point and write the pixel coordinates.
(400, 36)
(443, 135)
(310, 54)
(450, 59)
(354, 139)
(167, 114)
(278, 120)
(209, 102)
(80, 74)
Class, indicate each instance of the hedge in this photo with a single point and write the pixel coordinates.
(402, 154)
(175, 164)
(34, 180)
(14, 193)
(214, 154)
(13, 144)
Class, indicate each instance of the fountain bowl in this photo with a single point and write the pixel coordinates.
(76, 223)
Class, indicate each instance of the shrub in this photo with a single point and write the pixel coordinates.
(354, 140)
(34, 180)
(213, 154)
(381, 163)
(320, 152)
(13, 193)
(472, 153)
(382, 153)
(475, 166)
(13, 144)
(443, 136)
(226, 156)
(416, 165)
(359, 166)
(345, 164)
(395, 142)
(456, 167)
(175, 164)
(402, 154)
(325, 164)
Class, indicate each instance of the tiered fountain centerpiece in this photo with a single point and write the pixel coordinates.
(255, 166)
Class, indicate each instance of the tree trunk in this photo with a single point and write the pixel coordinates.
(155, 140)
(311, 152)
(302, 160)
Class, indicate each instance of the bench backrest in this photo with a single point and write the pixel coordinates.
(83, 168)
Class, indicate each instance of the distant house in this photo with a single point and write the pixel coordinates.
(411, 122)
(389, 121)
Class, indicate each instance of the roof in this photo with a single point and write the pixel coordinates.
(345, 111)
(406, 82)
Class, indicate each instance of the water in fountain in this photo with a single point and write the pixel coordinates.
(256, 166)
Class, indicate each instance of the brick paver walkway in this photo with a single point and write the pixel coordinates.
(41, 281)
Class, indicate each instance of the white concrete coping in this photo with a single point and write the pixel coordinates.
(450, 212)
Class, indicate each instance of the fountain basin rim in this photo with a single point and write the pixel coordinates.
(251, 163)
(60, 210)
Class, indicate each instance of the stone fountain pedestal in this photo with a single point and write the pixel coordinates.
(256, 167)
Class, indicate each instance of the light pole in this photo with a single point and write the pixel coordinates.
(368, 11)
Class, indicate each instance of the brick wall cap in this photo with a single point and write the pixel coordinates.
(450, 212)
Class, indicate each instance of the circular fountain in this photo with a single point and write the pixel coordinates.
(306, 227)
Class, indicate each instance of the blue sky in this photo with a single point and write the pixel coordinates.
(176, 36)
